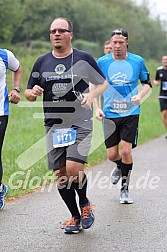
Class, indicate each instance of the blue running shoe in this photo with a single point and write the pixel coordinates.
(87, 216)
(2, 196)
(72, 226)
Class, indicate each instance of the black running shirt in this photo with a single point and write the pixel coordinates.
(161, 74)
(59, 77)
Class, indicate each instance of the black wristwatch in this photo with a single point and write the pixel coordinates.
(17, 89)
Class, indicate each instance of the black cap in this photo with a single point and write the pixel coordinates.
(120, 31)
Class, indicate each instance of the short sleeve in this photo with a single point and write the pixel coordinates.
(13, 63)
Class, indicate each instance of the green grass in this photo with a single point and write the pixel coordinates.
(24, 132)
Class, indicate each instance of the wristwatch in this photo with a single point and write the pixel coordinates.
(17, 89)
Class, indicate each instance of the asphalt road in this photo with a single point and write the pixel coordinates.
(31, 223)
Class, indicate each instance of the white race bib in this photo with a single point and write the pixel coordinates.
(64, 137)
(120, 106)
(164, 85)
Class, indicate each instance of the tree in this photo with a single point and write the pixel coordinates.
(10, 17)
(24, 21)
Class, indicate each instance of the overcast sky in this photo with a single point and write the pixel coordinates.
(157, 7)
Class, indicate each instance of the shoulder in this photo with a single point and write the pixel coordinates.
(104, 58)
(10, 55)
(137, 60)
(2, 51)
(83, 55)
(9, 59)
(160, 68)
(5, 53)
(85, 59)
(43, 58)
(135, 57)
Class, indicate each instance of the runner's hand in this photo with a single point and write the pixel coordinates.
(86, 102)
(14, 97)
(136, 99)
(99, 114)
(36, 91)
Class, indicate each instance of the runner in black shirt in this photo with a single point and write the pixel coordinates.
(161, 79)
(62, 76)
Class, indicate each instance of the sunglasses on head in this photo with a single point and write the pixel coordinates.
(120, 32)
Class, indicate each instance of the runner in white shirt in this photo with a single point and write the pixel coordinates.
(7, 61)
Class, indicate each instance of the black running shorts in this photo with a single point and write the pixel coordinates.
(124, 128)
(163, 104)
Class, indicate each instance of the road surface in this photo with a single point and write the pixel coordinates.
(31, 223)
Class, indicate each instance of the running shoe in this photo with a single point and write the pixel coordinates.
(71, 226)
(115, 175)
(124, 197)
(87, 216)
(2, 196)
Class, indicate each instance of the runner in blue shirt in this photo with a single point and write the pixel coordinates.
(121, 106)
(7, 61)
